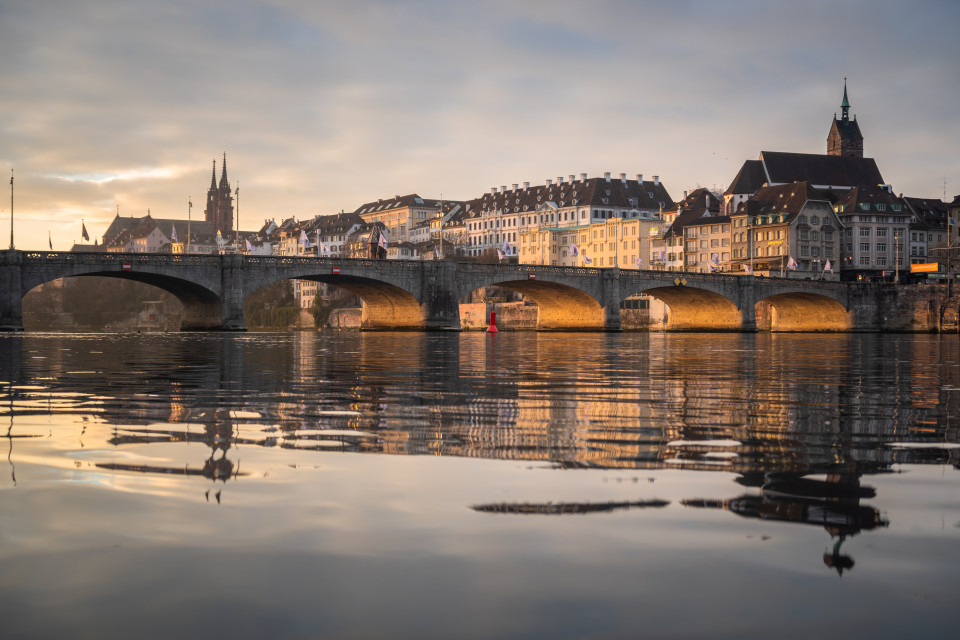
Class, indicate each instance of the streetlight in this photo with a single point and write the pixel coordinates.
(189, 208)
(896, 256)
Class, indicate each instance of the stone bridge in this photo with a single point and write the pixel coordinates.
(425, 295)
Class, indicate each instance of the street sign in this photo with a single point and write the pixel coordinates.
(336, 271)
(531, 276)
(126, 266)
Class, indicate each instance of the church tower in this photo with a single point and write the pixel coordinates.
(219, 209)
(845, 139)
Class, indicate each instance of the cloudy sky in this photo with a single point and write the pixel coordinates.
(322, 106)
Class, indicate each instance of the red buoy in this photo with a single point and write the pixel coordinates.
(493, 322)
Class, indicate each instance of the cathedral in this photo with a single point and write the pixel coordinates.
(219, 209)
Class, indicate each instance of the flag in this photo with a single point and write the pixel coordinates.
(83, 231)
(747, 269)
(382, 243)
(952, 221)
(828, 267)
(715, 258)
(303, 238)
(50, 240)
(324, 250)
(173, 234)
(662, 256)
(639, 262)
(506, 246)
(499, 254)
(249, 246)
(436, 253)
(791, 264)
(586, 259)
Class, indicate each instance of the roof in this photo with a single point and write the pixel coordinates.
(595, 192)
(397, 202)
(870, 194)
(750, 178)
(817, 169)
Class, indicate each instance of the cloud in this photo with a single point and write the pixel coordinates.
(322, 106)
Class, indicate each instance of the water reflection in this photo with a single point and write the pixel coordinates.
(611, 471)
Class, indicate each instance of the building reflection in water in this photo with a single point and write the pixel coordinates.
(774, 409)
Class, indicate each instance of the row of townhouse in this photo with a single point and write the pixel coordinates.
(867, 232)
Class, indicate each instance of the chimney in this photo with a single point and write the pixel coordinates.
(656, 181)
(526, 185)
(493, 191)
(559, 180)
(503, 188)
(640, 178)
(684, 195)
(583, 177)
(623, 178)
(515, 185)
(549, 182)
(606, 176)
(572, 178)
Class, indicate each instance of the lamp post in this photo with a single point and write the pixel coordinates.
(441, 227)
(896, 256)
(189, 208)
(236, 240)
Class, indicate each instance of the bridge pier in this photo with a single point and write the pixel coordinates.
(232, 308)
(748, 318)
(441, 305)
(612, 321)
(11, 291)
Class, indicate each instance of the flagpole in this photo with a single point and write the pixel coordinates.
(11, 210)
(236, 241)
(189, 208)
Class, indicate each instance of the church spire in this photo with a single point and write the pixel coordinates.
(213, 177)
(845, 105)
(224, 183)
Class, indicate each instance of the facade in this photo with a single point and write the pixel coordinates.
(219, 210)
(876, 223)
(785, 228)
(400, 215)
(929, 228)
(499, 219)
(668, 243)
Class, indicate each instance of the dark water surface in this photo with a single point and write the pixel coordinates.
(472, 486)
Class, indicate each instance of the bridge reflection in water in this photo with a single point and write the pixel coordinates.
(799, 419)
(425, 295)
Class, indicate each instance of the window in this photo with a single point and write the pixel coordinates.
(814, 219)
(882, 232)
(814, 235)
(864, 232)
(804, 234)
(804, 250)
(864, 261)
(881, 247)
(864, 246)
(881, 261)
(815, 252)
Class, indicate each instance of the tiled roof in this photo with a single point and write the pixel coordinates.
(595, 192)
(819, 169)
(750, 178)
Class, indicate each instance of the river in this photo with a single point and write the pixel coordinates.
(519, 485)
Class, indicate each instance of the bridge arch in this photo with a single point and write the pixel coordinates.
(201, 305)
(696, 309)
(802, 311)
(560, 307)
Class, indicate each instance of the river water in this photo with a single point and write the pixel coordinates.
(522, 485)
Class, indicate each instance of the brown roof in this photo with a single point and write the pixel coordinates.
(837, 171)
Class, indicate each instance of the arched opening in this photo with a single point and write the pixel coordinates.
(692, 309)
(120, 302)
(341, 301)
(531, 305)
(802, 312)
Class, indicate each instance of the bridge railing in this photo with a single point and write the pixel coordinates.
(118, 259)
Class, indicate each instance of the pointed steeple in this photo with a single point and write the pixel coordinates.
(845, 105)
(224, 183)
(213, 177)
